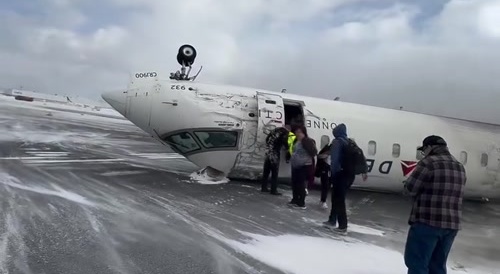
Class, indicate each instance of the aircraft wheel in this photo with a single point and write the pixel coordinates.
(186, 55)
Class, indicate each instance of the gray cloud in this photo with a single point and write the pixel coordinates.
(384, 55)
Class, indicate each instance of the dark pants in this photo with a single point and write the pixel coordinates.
(427, 249)
(300, 176)
(325, 185)
(310, 178)
(273, 169)
(341, 183)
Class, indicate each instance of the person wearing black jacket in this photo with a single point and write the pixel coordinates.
(276, 140)
(323, 172)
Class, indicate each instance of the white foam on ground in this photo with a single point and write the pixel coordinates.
(365, 230)
(352, 227)
(314, 255)
(204, 179)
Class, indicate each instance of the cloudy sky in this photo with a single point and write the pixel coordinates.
(433, 56)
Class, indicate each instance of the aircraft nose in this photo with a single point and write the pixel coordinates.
(117, 99)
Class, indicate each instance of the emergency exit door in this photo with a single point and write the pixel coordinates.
(271, 112)
(271, 115)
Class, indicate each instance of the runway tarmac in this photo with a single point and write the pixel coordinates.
(84, 193)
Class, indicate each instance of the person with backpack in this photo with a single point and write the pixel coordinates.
(347, 161)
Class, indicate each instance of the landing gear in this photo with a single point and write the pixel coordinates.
(185, 58)
(186, 55)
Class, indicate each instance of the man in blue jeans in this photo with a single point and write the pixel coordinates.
(437, 187)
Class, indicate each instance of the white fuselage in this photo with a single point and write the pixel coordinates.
(224, 127)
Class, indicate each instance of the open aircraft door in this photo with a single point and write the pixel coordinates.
(271, 115)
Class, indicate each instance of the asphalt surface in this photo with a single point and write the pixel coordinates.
(89, 194)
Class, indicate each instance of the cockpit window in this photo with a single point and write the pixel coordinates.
(216, 139)
(182, 142)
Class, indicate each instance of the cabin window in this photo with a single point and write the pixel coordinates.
(372, 148)
(396, 150)
(484, 159)
(325, 140)
(217, 139)
(182, 142)
(420, 154)
(463, 157)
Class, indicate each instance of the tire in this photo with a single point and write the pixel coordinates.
(186, 55)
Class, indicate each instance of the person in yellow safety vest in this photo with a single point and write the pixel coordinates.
(291, 142)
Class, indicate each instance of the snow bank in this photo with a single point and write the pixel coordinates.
(314, 255)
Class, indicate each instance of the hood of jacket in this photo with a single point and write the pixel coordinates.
(340, 131)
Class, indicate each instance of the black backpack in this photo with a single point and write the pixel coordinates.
(353, 159)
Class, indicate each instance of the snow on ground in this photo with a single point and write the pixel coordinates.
(204, 179)
(315, 255)
(30, 133)
(54, 106)
(13, 182)
(46, 129)
(158, 155)
(291, 253)
(352, 227)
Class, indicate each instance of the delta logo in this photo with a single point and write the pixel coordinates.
(408, 167)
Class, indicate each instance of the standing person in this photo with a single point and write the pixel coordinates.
(274, 142)
(323, 171)
(292, 139)
(437, 187)
(301, 162)
(310, 179)
(347, 160)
